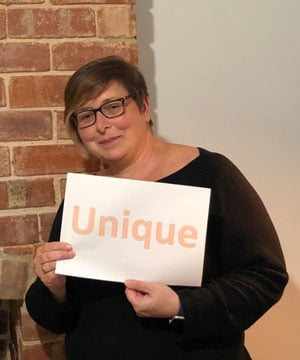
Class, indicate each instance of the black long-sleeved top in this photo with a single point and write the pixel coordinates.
(244, 275)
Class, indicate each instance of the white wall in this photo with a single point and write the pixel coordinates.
(225, 75)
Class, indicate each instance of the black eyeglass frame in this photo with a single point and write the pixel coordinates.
(74, 115)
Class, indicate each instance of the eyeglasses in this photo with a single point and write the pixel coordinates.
(111, 109)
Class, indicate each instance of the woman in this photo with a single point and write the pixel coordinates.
(107, 113)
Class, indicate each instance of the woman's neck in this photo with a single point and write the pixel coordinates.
(155, 162)
(143, 166)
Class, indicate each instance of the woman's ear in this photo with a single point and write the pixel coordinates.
(146, 109)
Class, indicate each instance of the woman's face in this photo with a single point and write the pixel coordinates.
(121, 138)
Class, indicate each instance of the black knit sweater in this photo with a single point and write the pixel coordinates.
(244, 275)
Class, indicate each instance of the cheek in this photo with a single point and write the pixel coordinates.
(86, 135)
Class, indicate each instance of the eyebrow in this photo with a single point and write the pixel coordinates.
(106, 101)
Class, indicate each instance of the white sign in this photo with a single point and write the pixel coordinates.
(130, 229)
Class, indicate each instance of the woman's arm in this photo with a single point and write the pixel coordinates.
(46, 299)
(252, 273)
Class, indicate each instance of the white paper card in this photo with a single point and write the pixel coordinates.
(130, 229)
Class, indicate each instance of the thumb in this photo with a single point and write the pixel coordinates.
(137, 285)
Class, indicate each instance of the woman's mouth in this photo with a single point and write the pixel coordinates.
(109, 141)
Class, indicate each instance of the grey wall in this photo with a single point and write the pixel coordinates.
(225, 75)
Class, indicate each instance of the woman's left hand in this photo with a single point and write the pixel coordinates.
(151, 299)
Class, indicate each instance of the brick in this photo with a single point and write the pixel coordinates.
(31, 193)
(18, 250)
(116, 21)
(12, 2)
(25, 125)
(32, 331)
(64, 59)
(56, 23)
(61, 131)
(46, 221)
(3, 195)
(67, 2)
(4, 322)
(2, 24)
(47, 351)
(40, 192)
(5, 347)
(16, 57)
(2, 93)
(34, 352)
(4, 161)
(13, 279)
(37, 91)
(18, 230)
(50, 159)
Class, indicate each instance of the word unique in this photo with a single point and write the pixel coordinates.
(138, 229)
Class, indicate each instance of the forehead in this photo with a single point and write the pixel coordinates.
(112, 91)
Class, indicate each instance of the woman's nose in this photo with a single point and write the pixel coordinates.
(102, 122)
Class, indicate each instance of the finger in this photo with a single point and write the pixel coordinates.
(43, 269)
(134, 296)
(53, 255)
(130, 294)
(58, 255)
(48, 267)
(138, 285)
(137, 300)
(45, 262)
(54, 246)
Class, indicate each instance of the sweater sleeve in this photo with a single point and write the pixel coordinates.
(251, 273)
(41, 305)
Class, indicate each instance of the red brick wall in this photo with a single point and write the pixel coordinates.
(41, 43)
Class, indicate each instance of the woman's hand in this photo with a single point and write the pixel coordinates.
(45, 263)
(150, 299)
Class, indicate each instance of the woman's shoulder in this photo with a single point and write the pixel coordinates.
(185, 154)
(208, 164)
(189, 152)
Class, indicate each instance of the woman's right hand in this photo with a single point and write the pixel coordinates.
(45, 264)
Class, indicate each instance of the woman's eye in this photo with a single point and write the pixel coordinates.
(112, 106)
(86, 116)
